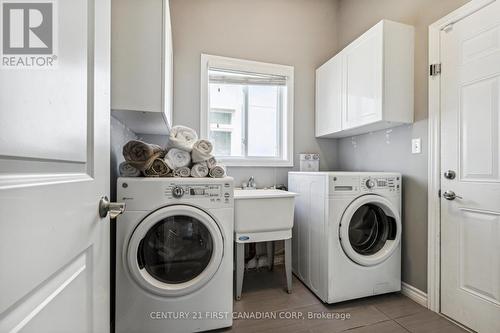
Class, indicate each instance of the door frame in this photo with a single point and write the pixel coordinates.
(434, 165)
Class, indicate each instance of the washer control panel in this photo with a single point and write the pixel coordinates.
(391, 184)
(348, 184)
(150, 193)
(216, 193)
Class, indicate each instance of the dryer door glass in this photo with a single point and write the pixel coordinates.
(176, 249)
(370, 228)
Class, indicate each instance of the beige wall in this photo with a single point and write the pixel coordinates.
(304, 34)
(391, 150)
(301, 33)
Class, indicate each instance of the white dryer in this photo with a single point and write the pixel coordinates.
(174, 255)
(347, 233)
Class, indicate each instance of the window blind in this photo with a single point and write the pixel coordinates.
(224, 76)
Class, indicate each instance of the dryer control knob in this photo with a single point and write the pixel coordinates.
(177, 192)
(370, 183)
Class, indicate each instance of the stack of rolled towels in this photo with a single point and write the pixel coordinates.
(184, 156)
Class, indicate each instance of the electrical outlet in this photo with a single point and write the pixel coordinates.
(416, 146)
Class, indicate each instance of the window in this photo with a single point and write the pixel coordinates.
(222, 131)
(247, 111)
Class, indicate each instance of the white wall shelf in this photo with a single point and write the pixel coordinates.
(141, 122)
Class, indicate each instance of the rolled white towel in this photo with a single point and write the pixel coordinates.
(211, 162)
(127, 170)
(199, 170)
(218, 171)
(202, 150)
(182, 172)
(182, 137)
(177, 158)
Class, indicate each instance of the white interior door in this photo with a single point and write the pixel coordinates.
(470, 122)
(54, 167)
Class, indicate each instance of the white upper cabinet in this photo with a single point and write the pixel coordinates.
(329, 97)
(368, 86)
(363, 66)
(141, 65)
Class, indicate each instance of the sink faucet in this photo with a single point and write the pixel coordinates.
(251, 183)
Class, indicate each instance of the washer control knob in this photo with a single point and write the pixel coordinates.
(370, 183)
(177, 192)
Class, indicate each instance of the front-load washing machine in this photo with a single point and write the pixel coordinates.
(174, 255)
(347, 233)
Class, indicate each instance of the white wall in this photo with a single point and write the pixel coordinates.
(120, 135)
(300, 33)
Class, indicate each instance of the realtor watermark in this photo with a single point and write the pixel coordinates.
(29, 34)
(249, 315)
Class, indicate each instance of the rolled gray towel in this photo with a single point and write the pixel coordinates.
(182, 137)
(157, 169)
(202, 151)
(218, 171)
(199, 170)
(127, 170)
(140, 154)
(182, 172)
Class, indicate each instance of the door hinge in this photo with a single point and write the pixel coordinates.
(435, 69)
(439, 193)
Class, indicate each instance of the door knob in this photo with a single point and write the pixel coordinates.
(450, 174)
(113, 208)
(450, 195)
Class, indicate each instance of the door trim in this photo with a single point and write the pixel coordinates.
(434, 166)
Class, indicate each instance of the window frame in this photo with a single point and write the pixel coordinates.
(286, 116)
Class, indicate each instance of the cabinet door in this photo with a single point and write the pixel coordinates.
(363, 66)
(136, 55)
(168, 64)
(329, 97)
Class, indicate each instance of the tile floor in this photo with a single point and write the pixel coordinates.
(263, 295)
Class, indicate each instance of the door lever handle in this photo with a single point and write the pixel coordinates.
(450, 195)
(113, 208)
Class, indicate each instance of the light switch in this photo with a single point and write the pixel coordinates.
(416, 146)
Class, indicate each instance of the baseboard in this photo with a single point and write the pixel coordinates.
(414, 294)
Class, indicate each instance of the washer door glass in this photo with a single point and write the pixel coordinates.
(370, 228)
(176, 249)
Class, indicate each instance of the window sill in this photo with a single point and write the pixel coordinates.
(255, 163)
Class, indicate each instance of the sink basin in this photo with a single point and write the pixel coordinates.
(263, 215)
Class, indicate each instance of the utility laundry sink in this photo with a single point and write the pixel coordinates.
(263, 215)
